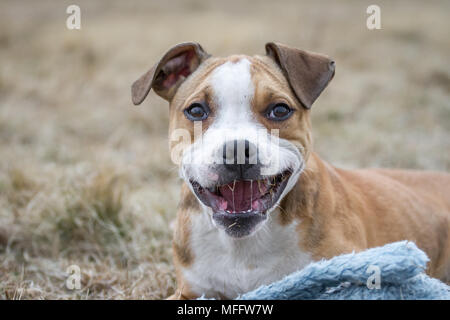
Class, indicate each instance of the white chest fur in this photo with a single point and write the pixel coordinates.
(227, 267)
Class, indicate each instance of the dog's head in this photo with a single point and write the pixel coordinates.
(239, 126)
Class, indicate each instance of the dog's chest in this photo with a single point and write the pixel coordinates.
(226, 267)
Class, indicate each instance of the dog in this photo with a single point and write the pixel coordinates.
(256, 202)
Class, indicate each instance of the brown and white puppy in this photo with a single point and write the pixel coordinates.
(257, 203)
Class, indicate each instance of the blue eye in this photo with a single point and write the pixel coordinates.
(279, 112)
(196, 112)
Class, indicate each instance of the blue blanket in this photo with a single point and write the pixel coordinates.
(394, 271)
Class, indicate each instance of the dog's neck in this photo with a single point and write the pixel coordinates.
(301, 201)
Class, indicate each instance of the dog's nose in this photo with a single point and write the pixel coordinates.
(240, 152)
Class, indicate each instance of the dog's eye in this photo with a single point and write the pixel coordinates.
(279, 112)
(196, 112)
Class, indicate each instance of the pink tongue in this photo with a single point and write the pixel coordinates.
(240, 194)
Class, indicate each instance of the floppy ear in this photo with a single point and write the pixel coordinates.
(308, 73)
(167, 75)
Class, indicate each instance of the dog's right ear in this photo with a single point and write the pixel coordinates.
(167, 75)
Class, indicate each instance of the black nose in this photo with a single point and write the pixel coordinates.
(239, 152)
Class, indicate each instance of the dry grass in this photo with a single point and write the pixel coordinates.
(85, 178)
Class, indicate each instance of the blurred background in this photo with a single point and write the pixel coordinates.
(86, 177)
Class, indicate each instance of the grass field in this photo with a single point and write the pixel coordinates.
(86, 178)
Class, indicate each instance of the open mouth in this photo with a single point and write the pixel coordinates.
(240, 204)
(243, 196)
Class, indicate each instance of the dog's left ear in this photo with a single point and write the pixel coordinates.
(166, 76)
(307, 73)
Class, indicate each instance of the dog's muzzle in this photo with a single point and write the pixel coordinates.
(241, 195)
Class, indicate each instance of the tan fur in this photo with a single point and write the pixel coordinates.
(340, 210)
(345, 210)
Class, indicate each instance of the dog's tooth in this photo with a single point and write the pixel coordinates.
(263, 186)
(251, 193)
(234, 185)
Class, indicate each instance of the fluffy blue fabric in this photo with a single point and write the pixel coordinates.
(401, 268)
